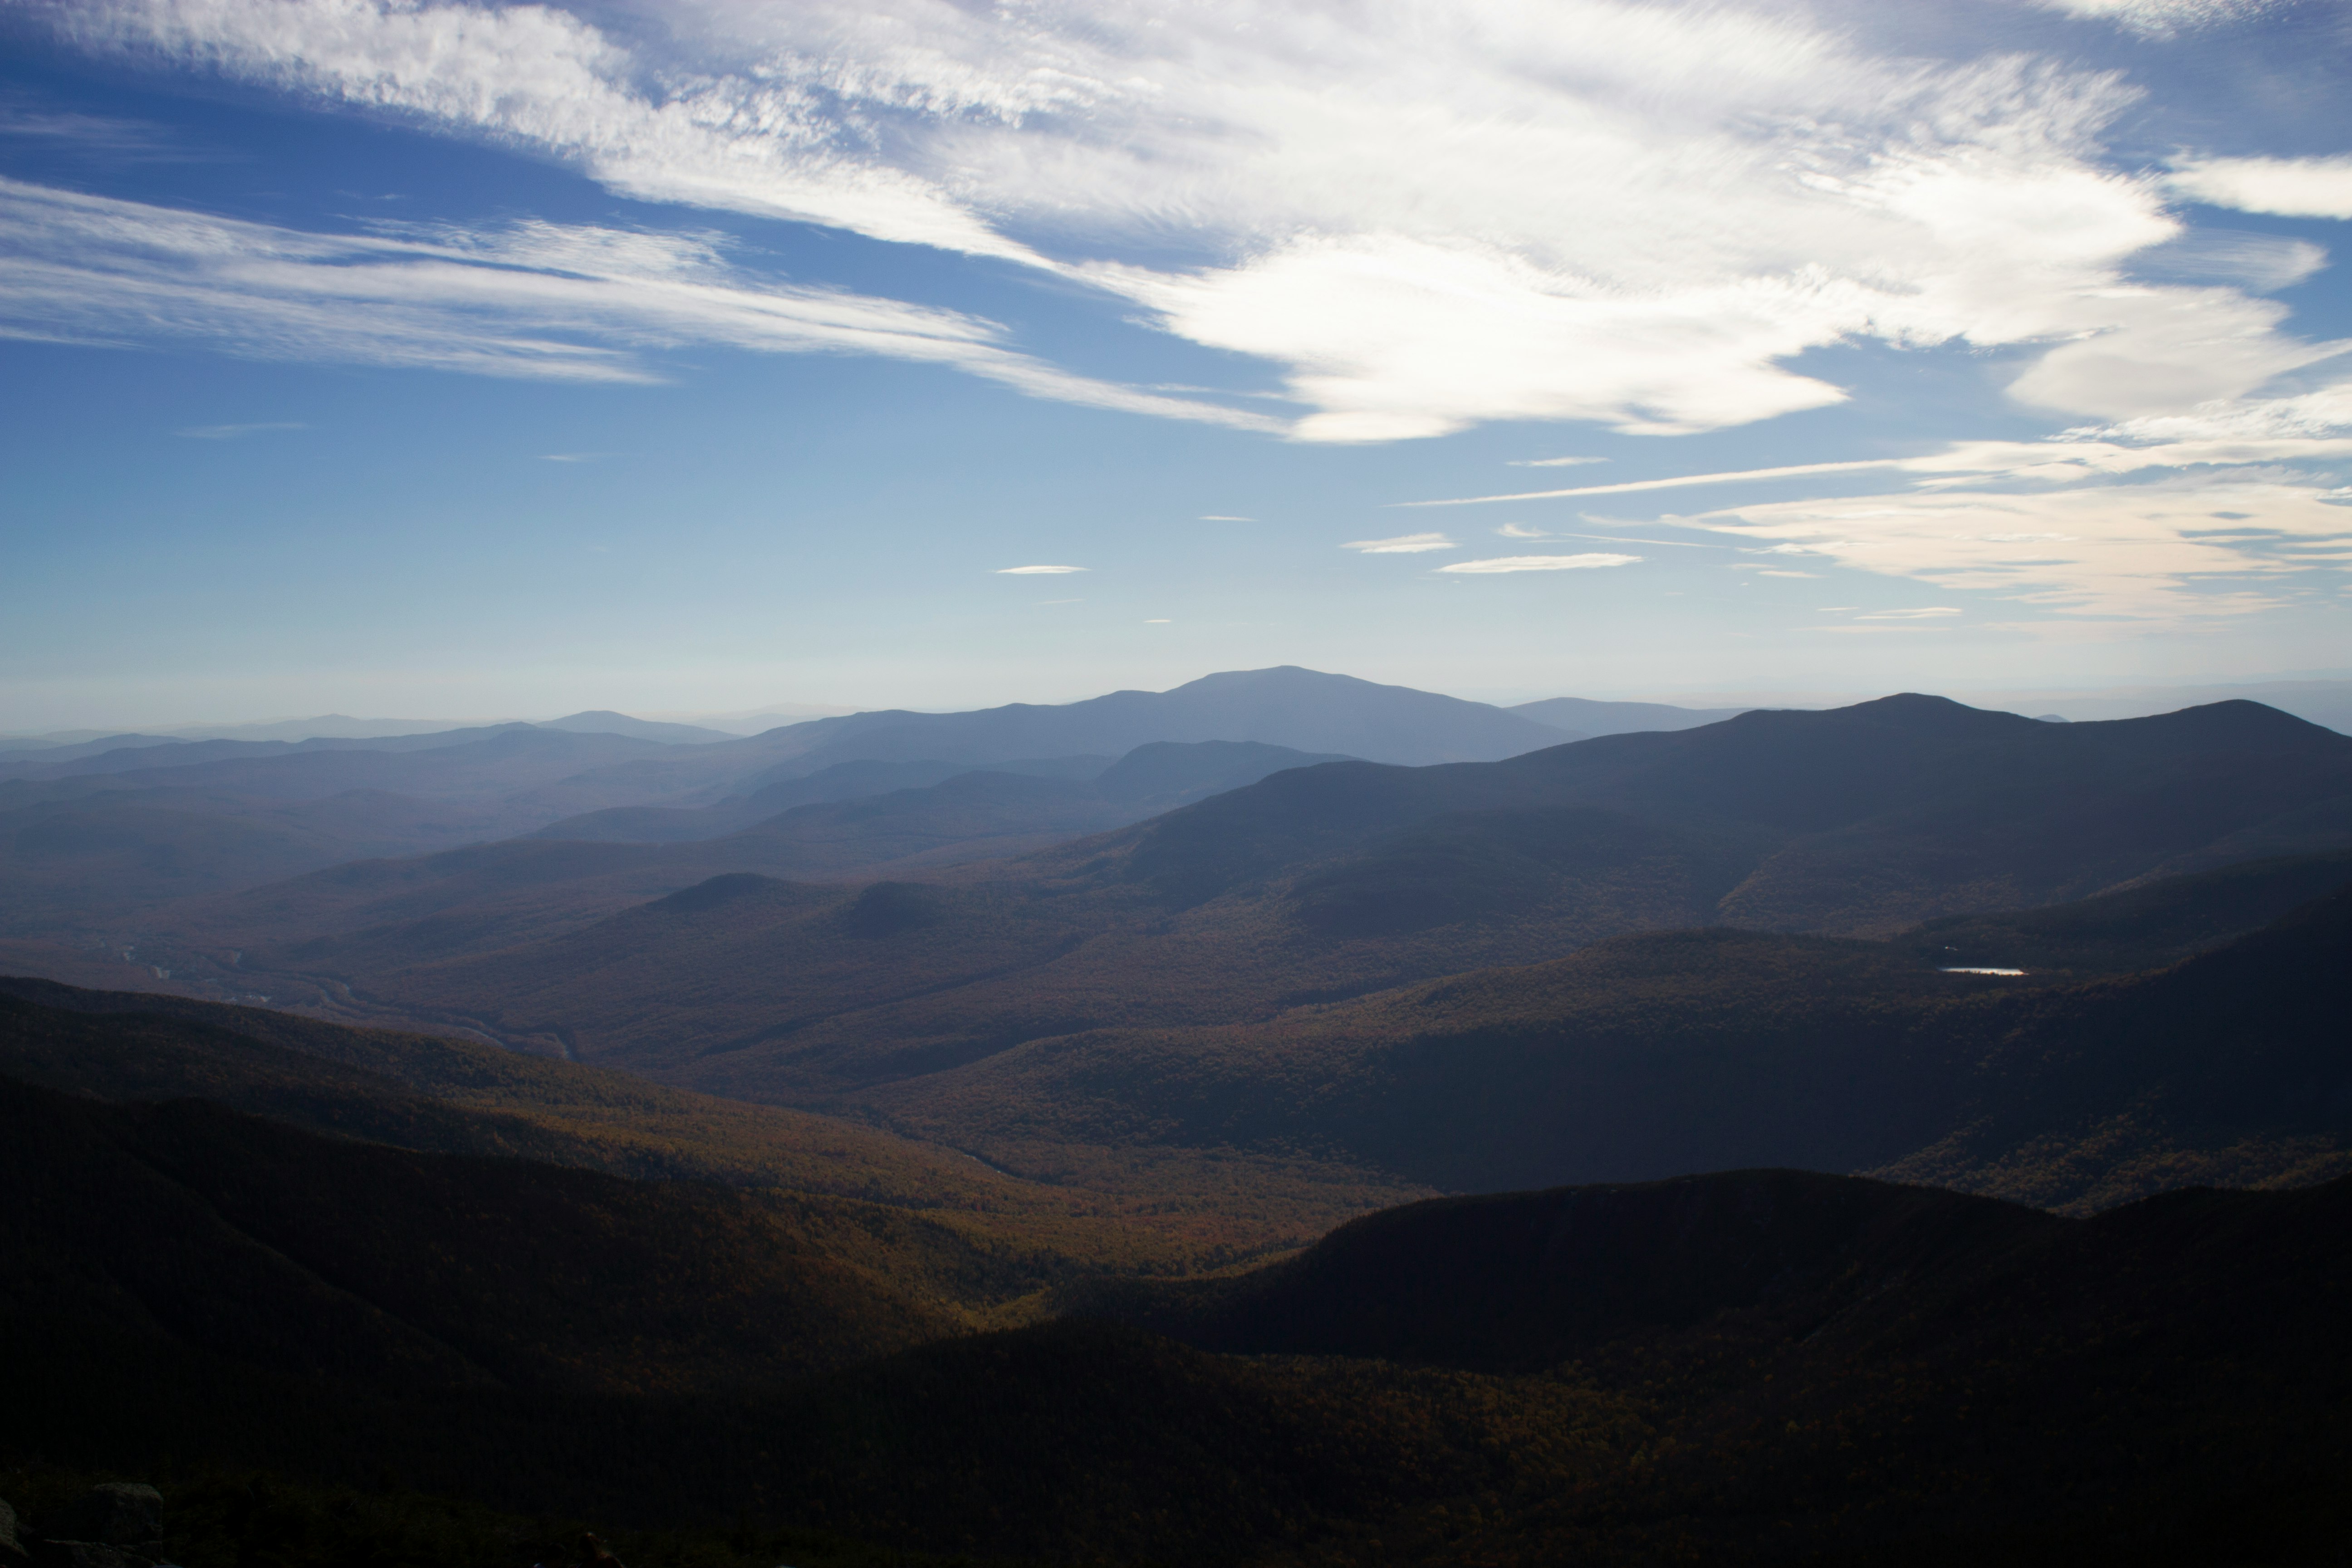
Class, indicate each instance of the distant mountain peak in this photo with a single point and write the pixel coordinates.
(606, 721)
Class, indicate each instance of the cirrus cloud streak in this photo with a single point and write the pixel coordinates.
(531, 299)
(1508, 563)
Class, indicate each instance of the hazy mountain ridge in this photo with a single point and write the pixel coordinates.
(497, 894)
(1589, 718)
(109, 835)
(333, 731)
(1155, 777)
(242, 811)
(1305, 710)
(1287, 706)
(1325, 882)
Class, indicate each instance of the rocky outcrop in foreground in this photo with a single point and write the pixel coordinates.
(117, 1525)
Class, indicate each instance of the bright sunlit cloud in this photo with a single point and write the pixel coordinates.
(1039, 571)
(2290, 187)
(2181, 549)
(1425, 216)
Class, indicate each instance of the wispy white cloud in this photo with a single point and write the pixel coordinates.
(1502, 564)
(2218, 509)
(101, 137)
(1402, 544)
(2296, 426)
(2260, 262)
(532, 300)
(1554, 462)
(2166, 18)
(1678, 481)
(231, 432)
(2230, 431)
(538, 76)
(2163, 350)
(1642, 539)
(1426, 215)
(1224, 517)
(1038, 572)
(2184, 547)
(2289, 187)
(1521, 531)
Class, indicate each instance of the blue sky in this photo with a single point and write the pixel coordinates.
(430, 359)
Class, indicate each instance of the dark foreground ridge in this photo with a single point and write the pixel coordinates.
(1752, 1367)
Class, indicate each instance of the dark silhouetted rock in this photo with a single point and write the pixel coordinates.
(118, 1513)
(11, 1549)
(86, 1554)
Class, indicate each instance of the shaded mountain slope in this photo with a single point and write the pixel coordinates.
(1862, 818)
(1522, 1281)
(2145, 926)
(341, 1258)
(1882, 1376)
(2230, 1068)
(1759, 1368)
(1702, 1050)
(439, 1095)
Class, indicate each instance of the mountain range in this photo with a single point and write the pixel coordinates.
(1310, 886)
(95, 833)
(1782, 1137)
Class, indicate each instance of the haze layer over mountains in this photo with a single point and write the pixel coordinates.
(106, 826)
